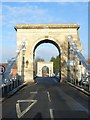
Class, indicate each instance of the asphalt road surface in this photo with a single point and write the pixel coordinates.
(46, 99)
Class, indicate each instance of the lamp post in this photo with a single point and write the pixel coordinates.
(23, 61)
(74, 65)
(68, 64)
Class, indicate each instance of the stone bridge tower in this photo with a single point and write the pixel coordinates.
(36, 34)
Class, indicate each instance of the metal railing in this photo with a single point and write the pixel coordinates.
(84, 83)
(9, 84)
(78, 53)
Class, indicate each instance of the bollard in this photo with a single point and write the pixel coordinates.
(7, 88)
(18, 82)
(89, 88)
(11, 85)
(89, 85)
(14, 83)
(2, 90)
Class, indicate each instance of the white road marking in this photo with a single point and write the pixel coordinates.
(33, 92)
(25, 100)
(49, 96)
(51, 114)
(19, 113)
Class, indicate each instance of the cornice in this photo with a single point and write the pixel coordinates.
(46, 26)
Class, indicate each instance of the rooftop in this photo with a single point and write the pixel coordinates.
(88, 60)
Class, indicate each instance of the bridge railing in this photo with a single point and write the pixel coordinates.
(10, 84)
(84, 82)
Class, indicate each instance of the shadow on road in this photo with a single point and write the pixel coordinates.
(38, 116)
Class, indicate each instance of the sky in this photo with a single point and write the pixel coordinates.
(45, 0)
(41, 12)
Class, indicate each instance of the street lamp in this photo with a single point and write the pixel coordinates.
(68, 65)
(23, 54)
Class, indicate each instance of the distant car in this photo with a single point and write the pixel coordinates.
(35, 77)
(58, 75)
(53, 75)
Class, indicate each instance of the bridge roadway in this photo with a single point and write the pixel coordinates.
(46, 99)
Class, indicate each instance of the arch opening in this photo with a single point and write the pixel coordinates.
(59, 55)
(47, 41)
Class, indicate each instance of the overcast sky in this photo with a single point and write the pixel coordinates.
(41, 12)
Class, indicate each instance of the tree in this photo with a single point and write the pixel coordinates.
(55, 61)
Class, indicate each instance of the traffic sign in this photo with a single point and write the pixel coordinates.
(2, 69)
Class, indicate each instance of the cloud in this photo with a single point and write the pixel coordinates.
(23, 10)
(32, 13)
(45, 1)
(23, 14)
(15, 14)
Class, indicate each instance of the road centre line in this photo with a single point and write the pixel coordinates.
(34, 92)
(51, 114)
(25, 100)
(49, 96)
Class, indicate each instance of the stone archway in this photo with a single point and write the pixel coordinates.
(52, 41)
(40, 66)
(35, 34)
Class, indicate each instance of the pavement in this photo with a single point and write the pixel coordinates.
(14, 91)
(80, 89)
(46, 99)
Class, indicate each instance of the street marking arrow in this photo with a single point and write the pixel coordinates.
(19, 113)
